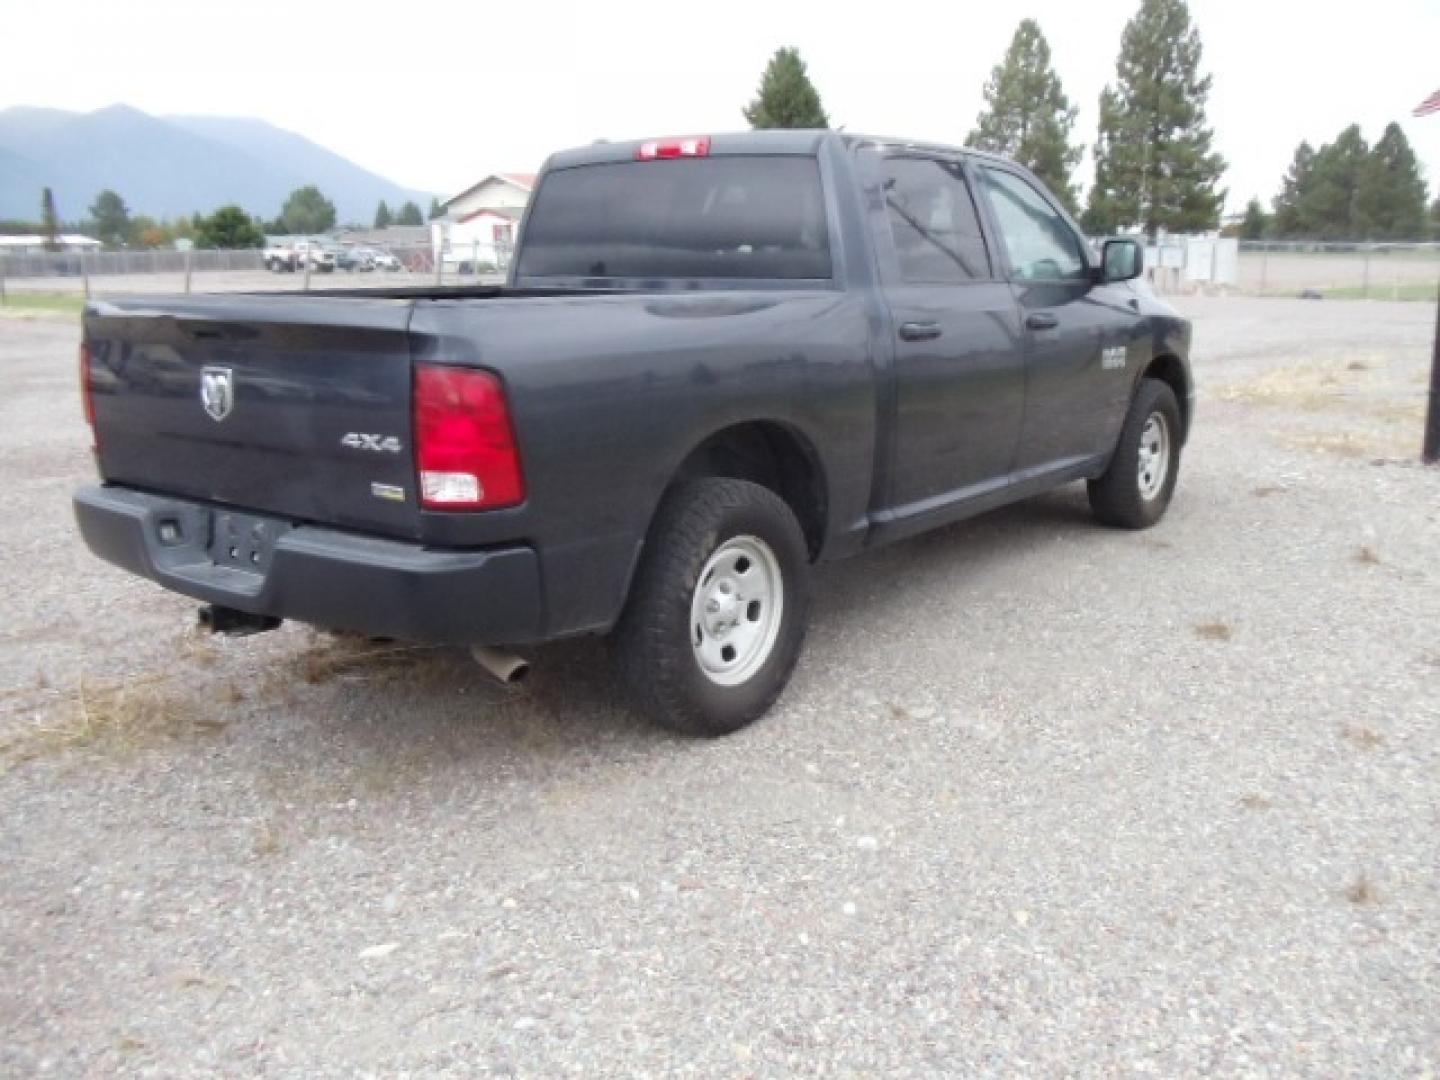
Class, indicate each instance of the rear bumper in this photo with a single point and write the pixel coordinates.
(326, 577)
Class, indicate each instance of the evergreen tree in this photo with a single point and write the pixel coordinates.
(1328, 202)
(307, 211)
(409, 216)
(436, 210)
(786, 98)
(1390, 198)
(382, 216)
(1154, 166)
(1287, 221)
(228, 228)
(1435, 219)
(1027, 116)
(49, 220)
(111, 219)
(1256, 222)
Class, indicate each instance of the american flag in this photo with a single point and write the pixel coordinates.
(1430, 105)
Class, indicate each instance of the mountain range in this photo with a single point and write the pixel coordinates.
(165, 166)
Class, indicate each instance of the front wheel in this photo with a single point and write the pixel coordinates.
(1136, 489)
(717, 612)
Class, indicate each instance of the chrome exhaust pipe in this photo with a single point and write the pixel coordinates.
(505, 666)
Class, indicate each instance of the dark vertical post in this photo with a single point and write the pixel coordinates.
(1430, 455)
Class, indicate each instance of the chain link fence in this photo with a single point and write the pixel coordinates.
(101, 273)
(1333, 270)
(1176, 265)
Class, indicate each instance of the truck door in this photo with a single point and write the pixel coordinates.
(959, 377)
(1080, 337)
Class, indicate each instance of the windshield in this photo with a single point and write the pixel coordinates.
(714, 217)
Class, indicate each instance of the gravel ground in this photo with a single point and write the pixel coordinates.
(1042, 799)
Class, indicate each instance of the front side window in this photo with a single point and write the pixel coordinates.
(1041, 245)
(933, 222)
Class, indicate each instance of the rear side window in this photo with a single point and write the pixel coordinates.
(714, 217)
(933, 220)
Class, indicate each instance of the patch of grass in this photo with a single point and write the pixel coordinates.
(63, 303)
(1255, 801)
(1410, 292)
(1214, 630)
(1343, 443)
(1266, 490)
(1307, 386)
(116, 716)
(1365, 555)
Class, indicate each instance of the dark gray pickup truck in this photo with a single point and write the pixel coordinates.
(717, 360)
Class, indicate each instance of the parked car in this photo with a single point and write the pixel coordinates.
(774, 348)
(279, 256)
(386, 261)
(354, 259)
(289, 257)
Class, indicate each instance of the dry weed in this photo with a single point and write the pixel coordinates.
(1365, 555)
(1363, 737)
(1362, 890)
(115, 717)
(1214, 630)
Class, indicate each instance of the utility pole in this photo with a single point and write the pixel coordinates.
(1430, 452)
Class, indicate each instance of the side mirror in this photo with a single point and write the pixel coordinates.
(1121, 260)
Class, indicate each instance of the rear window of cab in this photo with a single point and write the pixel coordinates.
(760, 216)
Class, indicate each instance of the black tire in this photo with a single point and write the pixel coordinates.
(652, 642)
(1120, 497)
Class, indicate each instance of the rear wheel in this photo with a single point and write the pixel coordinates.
(717, 613)
(1136, 489)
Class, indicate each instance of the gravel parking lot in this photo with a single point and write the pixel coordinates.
(1042, 799)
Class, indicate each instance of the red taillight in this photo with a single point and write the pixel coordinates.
(87, 392)
(696, 146)
(465, 448)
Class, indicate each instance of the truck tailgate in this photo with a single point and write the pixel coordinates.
(293, 406)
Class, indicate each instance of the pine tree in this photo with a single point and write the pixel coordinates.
(408, 216)
(382, 216)
(1027, 116)
(1435, 219)
(436, 210)
(1328, 202)
(1390, 197)
(49, 220)
(1255, 223)
(1287, 221)
(786, 98)
(1154, 166)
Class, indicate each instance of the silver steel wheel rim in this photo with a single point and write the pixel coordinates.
(736, 610)
(1154, 456)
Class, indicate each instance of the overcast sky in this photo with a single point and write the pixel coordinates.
(434, 95)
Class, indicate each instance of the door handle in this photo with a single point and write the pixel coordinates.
(1042, 320)
(919, 331)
